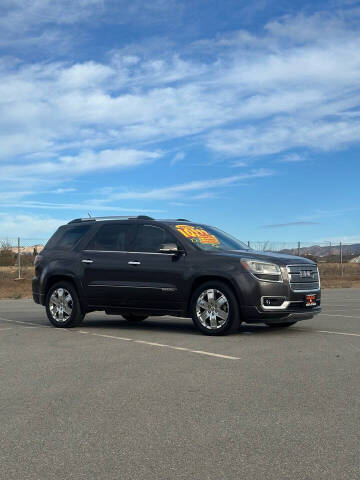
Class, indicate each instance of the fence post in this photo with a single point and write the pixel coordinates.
(19, 260)
(341, 261)
(298, 249)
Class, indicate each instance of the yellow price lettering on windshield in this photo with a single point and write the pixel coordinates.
(197, 233)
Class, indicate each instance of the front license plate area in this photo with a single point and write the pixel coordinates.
(310, 300)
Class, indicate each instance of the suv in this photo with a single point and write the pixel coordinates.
(138, 266)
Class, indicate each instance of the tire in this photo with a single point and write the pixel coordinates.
(133, 317)
(205, 308)
(63, 307)
(280, 325)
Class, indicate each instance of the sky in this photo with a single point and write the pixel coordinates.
(243, 115)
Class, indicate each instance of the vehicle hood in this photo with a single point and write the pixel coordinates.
(277, 258)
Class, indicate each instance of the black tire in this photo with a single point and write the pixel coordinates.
(232, 322)
(75, 317)
(280, 325)
(133, 317)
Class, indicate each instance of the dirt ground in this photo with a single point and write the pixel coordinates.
(330, 278)
(11, 288)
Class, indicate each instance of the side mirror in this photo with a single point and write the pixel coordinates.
(168, 248)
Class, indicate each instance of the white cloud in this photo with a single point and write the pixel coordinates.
(278, 77)
(51, 24)
(63, 190)
(292, 158)
(200, 188)
(71, 166)
(28, 226)
(240, 95)
(100, 206)
(282, 134)
(177, 158)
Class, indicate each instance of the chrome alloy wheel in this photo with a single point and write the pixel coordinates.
(61, 305)
(212, 309)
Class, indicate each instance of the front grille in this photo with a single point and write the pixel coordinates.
(303, 277)
(304, 286)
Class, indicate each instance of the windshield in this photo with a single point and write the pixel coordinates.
(210, 238)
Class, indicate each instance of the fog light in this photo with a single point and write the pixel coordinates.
(273, 301)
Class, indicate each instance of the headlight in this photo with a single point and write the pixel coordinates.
(263, 270)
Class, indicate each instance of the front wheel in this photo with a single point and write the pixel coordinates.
(63, 307)
(280, 325)
(214, 309)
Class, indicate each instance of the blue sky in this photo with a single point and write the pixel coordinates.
(240, 114)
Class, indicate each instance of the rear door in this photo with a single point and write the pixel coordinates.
(156, 280)
(105, 264)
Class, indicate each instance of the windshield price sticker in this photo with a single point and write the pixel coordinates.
(197, 234)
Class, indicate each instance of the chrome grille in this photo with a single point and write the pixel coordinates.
(303, 277)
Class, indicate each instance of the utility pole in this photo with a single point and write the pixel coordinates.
(18, 259)
(341, 261)
(298, 249)
(328, 241)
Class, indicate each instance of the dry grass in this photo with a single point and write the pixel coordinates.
(330, 278)
(11, 288)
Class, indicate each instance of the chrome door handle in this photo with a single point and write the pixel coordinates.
(134, 263)
(86, 260)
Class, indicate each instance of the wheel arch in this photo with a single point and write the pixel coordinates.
(55, 278)
(206, 278)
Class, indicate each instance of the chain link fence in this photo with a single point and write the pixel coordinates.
(20, 252)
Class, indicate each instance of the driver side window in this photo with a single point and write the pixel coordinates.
(149, 238)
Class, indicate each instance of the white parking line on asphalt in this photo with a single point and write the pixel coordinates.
(335, 315)
(215, 355)
(348, 307)
(328, 331)
(28, 324)
(6, 320)
(339, 333)
(111, 336)
(173, 347)
(200, 352)
(154, 344)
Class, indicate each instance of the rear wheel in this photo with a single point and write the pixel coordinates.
(133, 317)
(63, 307)
(280, 325)
(214, 309)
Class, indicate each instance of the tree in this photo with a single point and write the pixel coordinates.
(6, 254)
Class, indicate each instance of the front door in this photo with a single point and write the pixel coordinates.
(157, 279)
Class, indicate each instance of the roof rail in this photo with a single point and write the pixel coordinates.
(182, 220)
(97, 219)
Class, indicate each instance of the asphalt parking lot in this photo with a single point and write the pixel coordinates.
(158, 400)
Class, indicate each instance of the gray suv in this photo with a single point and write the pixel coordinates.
(138, 266)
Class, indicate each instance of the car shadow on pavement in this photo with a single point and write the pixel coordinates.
(177, 325)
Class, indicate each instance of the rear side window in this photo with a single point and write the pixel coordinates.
(149, 238)
(70, 237)
(113, 237)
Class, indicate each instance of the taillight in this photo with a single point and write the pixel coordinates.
(37, 260)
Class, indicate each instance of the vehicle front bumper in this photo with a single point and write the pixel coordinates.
(254, 310)
(253, 314)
